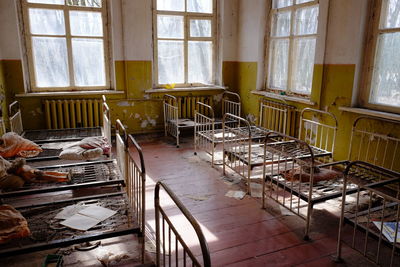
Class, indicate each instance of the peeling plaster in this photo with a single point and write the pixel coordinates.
(125, 104)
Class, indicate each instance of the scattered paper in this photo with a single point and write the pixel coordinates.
(69, 211)
(80, 222)
(388, 230)
(285, 211)
(97, 212)
(235, 194)
(256, 190)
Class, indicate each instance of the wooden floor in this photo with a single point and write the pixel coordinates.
(238, 232)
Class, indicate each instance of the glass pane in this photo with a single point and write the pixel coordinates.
(50, 61)
(86, 3)
(169, 26)
(88, 58)
(57, 2)
(200, 6)
(46, 21)
(172, 5)
(200, 62)
(303, 64)
(282, 3)
(385, 86)
(200, 28)
(85, 23)
(392, 19)
(306, 20)
(170, 62)
(303, 1)
(278, 64)
(281, 24)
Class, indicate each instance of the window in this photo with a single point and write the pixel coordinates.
(292, 46)
(381, 86)
(66, 44)
(184, 42)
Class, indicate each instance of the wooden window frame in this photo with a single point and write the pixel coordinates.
(28, 45)
(373, 33)
(186, 38)
(291, 38)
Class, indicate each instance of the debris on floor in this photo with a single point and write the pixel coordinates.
(285, 211)
(198, 198)
(235, 194)
(230, 180)
(256, 190)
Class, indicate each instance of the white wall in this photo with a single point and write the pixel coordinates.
(9, 38)
(229, 34)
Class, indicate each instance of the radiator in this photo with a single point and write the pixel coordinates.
(187, 105)
(76, 113)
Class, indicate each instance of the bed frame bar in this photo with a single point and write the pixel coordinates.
(165, 229)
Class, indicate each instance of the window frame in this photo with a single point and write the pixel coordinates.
(187, 16)
(319, 46)
(27, 37)
(374, 20)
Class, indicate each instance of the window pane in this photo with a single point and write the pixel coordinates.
(172, 5)
(57, 2)
(86, 23)
(281, 24)
(306, 20)
(86, 3)
(303, 64)
(169, 26)
(282, 3)
(278, 64)
(46, 21)
(200, 62)
(392, 19)
(303, 1)
(200, 28)
(200, 6)
(50, 61)
(88, 58)
(170, 62)
(385, 86)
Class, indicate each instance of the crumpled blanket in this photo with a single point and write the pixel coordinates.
(13, 145)
(303, 175)
(89, 148)
(12, 224)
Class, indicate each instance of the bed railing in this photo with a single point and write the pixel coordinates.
(318, 134)
(120, 147)
(170, 116)
(202, 124)
(14, 112)
(231, 103)
(373, 211)
(168, 237)
(237, 139)
(277, 117)
(380, 146)
(136, 184)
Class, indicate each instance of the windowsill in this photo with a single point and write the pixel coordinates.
(374, 113)
(71, 93)
(285, 97)
(186, 89)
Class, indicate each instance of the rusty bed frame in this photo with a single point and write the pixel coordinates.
(83, 174)
(129, 203)
(379, 193)
(169, 241)
(58, 135)
(272, 116)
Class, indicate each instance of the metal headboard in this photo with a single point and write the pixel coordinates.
(231, 106)
(15, 118)
(120, 145)
(166, 249)
(106, 122)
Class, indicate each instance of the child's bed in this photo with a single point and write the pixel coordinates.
(172, 246)
(53, 141)
(180, 112)
(371, 214)
(129, 202)
(272, 116)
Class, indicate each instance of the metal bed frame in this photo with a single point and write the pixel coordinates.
(207, 128)
(58, 135)
(169, 240)
(378, 148)
(379, 189)
(130, 218)
(84, 174)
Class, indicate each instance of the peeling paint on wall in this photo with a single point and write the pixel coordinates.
(125, 104)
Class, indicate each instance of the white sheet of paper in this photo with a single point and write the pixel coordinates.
(235, 194)
(69, 211)
(80, 222)
(97, 212)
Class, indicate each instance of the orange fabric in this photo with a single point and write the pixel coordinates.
(12, 224)
(301, 176)
(14, 145)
